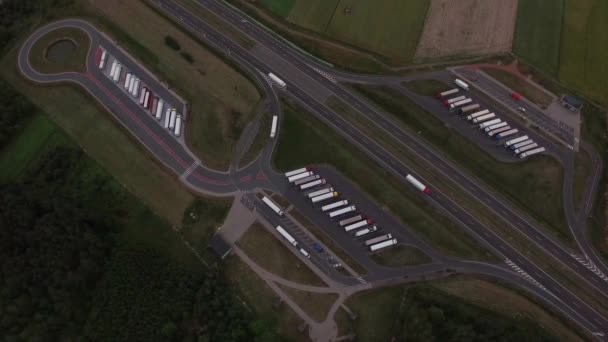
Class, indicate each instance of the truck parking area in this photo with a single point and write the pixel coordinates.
(143, 92)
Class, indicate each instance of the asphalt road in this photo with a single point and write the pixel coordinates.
(177, 158)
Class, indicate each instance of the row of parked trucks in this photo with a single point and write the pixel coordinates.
(485, 120)
(134, 87)
(282, 230)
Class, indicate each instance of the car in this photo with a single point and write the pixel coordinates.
(317, 247)
(522, 109)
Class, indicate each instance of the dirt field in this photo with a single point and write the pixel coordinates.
(467, 27)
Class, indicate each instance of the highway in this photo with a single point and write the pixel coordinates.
(176, 157)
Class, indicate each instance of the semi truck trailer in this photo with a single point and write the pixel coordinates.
(178, 126)
(377, 239)
(469, 108)
(305, 253)
(447, 93)
(117, 73)
(306, 180)
(324, 197)
(508, 133)
(287, 236)
(489, 123)
(136, 88)
(357, 225)
(142, 96)
(300, 176)
(167, 118)
(272, 206)
(382, 245)
(454, 99)
(350, 220)
(320, 192)
(516, 140)
(127, 81)
(460, 103)
(521, 144)
(342, 211)
(132, 84)
(297, 171)
(485, 117)
(159, 109)
(334, 205)
(416, 183)
(273, 129)
(102, 60)
(277, 80)
(532, 152)
(499, 130)
(146, 99)
(312, 184)
(366, 231)
(461, 84)
(496, 126)
(172, 119)
(477, 114)
(525, 148)
(113, 69)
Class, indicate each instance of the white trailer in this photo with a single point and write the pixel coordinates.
(305, 253)
(499, 130)
(136, 88)
(306, 180)
(277, 80)
(159, 109)
(507, 133)
(377, 239)
(287, 236)
(172, 119)
(417, 184)
(342, 211)
(273, 129)
(461, 84)
(454, 99)
(154, 105)
(516, 140)
(113, 69)
(469, 108)
(525, 148)
(532, 152)
(324, 197)
(521, 144)
(312, 184)
(334, 205)
(102, 60)
(132, 84)
(489, 123)
(357, 225)
(117, 73)
(382, 245)
(351, 220)
(477, 114)
(460, 103)
(178, 126)
(146, 98)
(142, 97)
(167, 118)
(496, 126)
(127, 81)
(300, 176)
(447, 93)
(297, 171)
(366, 231)
(484, 117)
(272, 206)
(320, 192)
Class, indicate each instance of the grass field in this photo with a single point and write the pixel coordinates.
(270, 253)
(38, 135)
(72, 61)
(535, 185)
(278, 7)
(401, 255)
(316, 305)
(314, 15)
(525, 88)
(325, 146)
(537, 37)
(221, 99)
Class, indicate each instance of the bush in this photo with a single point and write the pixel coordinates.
(187, 57)
(172, 43)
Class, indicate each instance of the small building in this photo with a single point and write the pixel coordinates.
(219, 246)
(572, 103)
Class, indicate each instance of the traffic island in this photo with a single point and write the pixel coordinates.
(61, 50)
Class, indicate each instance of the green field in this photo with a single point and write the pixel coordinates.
(314, 15)
(324, 146)
(278, 7)
(537, 37)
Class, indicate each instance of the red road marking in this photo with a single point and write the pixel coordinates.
(98, 56)
(261, 175)
(154, 136)
(245, 178)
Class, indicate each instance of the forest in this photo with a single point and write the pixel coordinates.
(14, 111)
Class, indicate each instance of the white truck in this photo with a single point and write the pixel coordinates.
(273, 128)
(167, 117)
(532, 152)
(127, 81)
(320, 192)
(287, 236)
(306, 180)
(300, 176)
(136, 88)
(507, 133)
(297, 171)
(365, 231)
(132, 84)
(525, 148)
(460, 103)
(357, 225)
(416, 183)
(461, 84)
(469, 108)
(499, 130)
(324, 197)
(350, 220)
(334, 205)
(496, 126)
(382, 245)
(142, 96)
(275, 79)
(377, 239)
(305, 253)
(272, 206)
(477, 114)
(312, 184)
(454, 99)
(342, 211)
(172, 119)
(117, 73)
(516, 140)
(102, 60)
(178, 126)
(521, 144)
(489, 123)
(159, 109)
(482, 118)
(447, 93)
